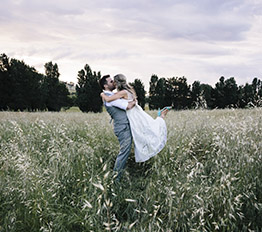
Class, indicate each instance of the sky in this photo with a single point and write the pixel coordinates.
(198, 39)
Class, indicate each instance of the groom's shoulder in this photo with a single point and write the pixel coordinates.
(108, 93)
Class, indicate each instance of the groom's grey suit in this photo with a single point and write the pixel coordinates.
(123, 133)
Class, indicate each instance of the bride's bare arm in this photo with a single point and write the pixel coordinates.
(118, 95)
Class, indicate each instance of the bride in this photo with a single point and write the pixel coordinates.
(149, 135)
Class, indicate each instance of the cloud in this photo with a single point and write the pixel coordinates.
(165, 19)
(198, 39)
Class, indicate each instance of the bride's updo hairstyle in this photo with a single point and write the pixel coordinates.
(121, 84)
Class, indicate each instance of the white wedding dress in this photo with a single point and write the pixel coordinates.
(149, 135)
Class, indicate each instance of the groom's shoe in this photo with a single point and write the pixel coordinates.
(160, 111)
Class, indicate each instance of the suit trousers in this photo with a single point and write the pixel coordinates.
(124, 136)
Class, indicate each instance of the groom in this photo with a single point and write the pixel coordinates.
(117, 110)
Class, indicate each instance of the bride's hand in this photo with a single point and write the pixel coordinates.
(131, 104)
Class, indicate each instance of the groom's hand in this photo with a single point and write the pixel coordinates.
(131, 104)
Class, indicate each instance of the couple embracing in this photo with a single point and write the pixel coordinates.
(132, 123)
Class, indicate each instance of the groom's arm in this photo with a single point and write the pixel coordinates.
(122, 104)
(119, 103)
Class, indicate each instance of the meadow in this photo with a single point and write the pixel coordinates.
(56, 174)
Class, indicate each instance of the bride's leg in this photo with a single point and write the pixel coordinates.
(164, 113)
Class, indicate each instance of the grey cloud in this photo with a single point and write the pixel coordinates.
(106, 55)
(133, 32)
(193, 20)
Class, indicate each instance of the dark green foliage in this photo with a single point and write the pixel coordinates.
(56, 93)
(152, 92)
(231, 92)
(225, 93)
(196, 91)
(20, 86)
(5, 90)
(158, 92)
(250, 94)
(174, 91)
(23, 88)
(140, 92)
(201, 95)
(220, 93)
(88, 90)
(207, 91)
(182, 93)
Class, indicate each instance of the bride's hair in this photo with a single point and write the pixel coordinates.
(121, 84)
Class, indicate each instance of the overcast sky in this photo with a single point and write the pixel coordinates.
(199, 39)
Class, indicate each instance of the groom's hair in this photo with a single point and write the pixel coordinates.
(103, 81)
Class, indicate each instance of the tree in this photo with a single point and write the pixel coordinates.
(207, 92)
(160, 93)
(246, 95)
(201, 95)
(88, 90)
(257, 89)
(5, 84)
(183, 93)
(169, 93)
(219, 93)
(55, 93)
(152, 92)
(255, 85)
(241, 102)
(226, 93)
(24, 83)
(140, 92)
(178, 92)
(230, 91)
(250, 94)
(195, 92)
(51, 70)
(20, 87)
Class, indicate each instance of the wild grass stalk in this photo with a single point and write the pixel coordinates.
(56, 174)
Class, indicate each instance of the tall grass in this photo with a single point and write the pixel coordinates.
(56, 174)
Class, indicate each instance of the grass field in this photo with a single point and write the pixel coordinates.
(56, 174)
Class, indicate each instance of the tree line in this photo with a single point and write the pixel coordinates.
(175, 92)
(227, 94)
(23, 88)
